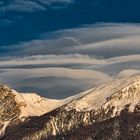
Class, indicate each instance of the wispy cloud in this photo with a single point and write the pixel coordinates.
(1, 3)
(103, 40)
(31, 5)
(4, 22)
(50, 2)
(24, 6)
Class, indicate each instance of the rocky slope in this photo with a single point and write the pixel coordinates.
(110, 111)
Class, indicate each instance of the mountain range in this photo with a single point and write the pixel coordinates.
(107, 112)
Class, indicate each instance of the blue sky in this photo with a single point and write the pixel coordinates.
(24, 20)
(58, 48)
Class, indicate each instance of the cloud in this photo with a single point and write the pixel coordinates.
(68, 81)
(31, 5)
(40, 46)
(1, 3)
(59, 76)
(78, 61)
(24, 6)
(102, 40)
(109, 48)
(98, 32)
(5, 22)
(66, 62)
(51, 59)
(128, 72)
(49, 2)
(66, 59)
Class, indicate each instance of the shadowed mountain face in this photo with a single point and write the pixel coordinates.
(127, 125)
(110, 111)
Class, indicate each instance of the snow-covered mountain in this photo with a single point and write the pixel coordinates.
(16, 107)
(110, 111)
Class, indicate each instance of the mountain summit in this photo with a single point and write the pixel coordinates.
(110, 111)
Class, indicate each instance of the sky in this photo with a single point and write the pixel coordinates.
(58, 48)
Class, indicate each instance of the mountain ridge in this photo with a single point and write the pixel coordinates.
(111, 102)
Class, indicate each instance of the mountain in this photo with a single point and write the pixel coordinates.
(107, 112)
(16, 107)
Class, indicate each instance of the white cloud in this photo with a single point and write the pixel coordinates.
(67, 59)
(52, 59)
(106, 65)
(99, 32)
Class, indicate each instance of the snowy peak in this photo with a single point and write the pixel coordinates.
(118, 94)
(16, 107)
(34, 105)
(28, 104)
(128, 96)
